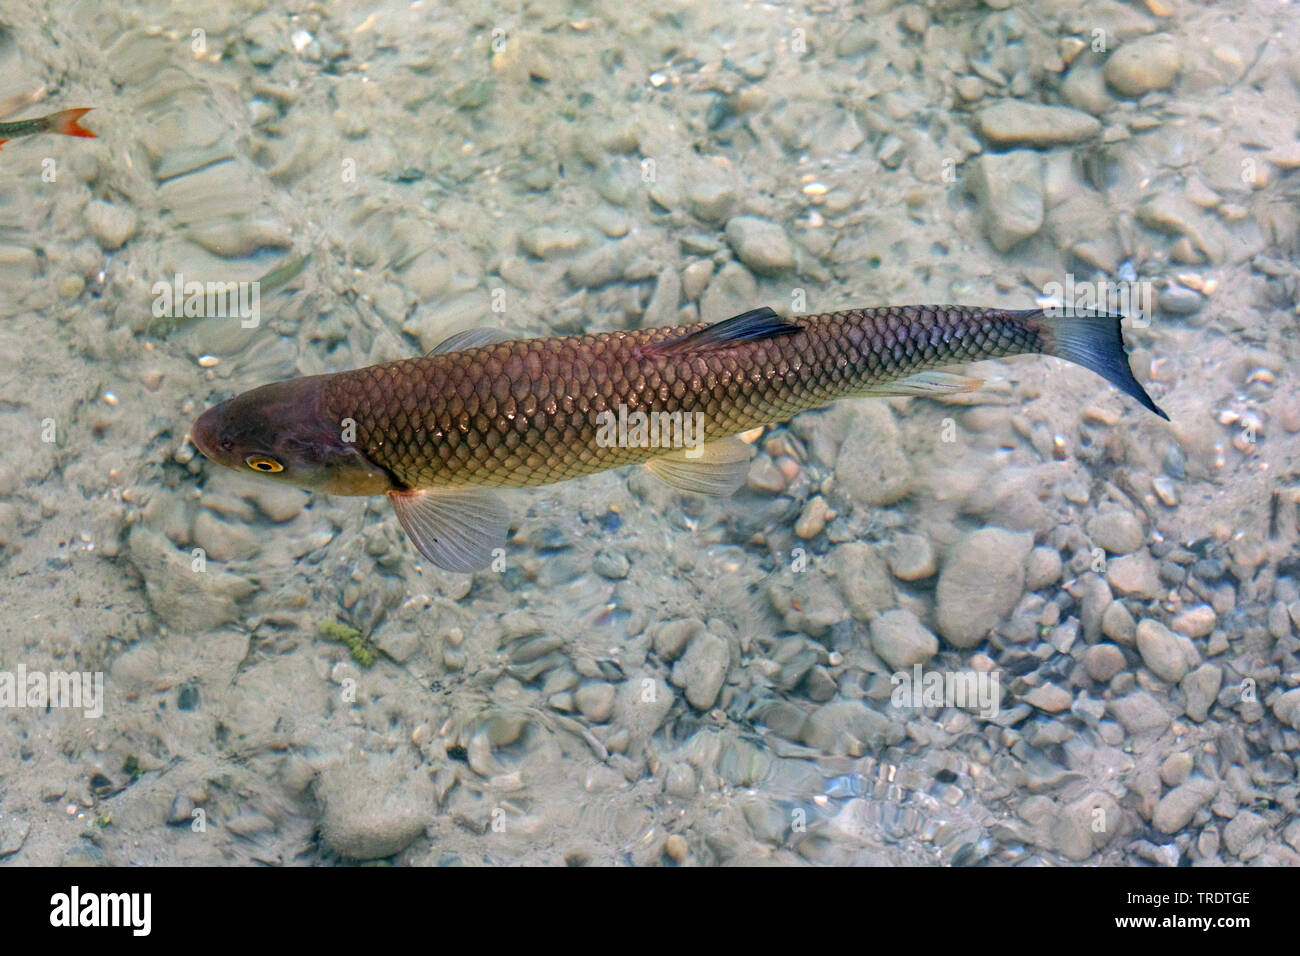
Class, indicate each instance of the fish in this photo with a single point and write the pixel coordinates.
(443, 433)
(63, 122)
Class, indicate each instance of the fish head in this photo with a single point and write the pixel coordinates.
(278, 432)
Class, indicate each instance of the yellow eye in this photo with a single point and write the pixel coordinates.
(263, 464)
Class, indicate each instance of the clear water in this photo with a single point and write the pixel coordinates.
(650, 677)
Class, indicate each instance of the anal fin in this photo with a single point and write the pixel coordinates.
(720, 468)
(470, 339)
(455, 528)
(925, 385)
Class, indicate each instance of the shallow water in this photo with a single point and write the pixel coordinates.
(652, 677)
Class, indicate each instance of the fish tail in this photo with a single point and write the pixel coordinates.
(66, 122)
(1095, 341)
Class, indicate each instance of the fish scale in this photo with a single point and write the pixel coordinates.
(523, 413)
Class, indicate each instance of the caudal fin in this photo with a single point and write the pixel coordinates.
(1094, 340)
(66, 122)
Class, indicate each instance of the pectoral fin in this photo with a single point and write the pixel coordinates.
(456, 528)
(720, 468)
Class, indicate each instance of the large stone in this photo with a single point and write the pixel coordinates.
(702, 669)
(761, 245)
(1161, 650)
(1177, 807)
(1009, 189)
(1017, 123)
(980, 583)
(1145, 64)
(901, 640)
(374, 807)
(872, 467)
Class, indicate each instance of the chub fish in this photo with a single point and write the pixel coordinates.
(438, 434)
(64, 123)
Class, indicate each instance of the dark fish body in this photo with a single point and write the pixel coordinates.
(531, 412)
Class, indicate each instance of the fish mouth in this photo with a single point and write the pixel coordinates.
(204, 433)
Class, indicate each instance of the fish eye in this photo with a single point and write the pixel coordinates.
(263, 464)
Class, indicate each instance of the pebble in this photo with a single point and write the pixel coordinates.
(1177, 807)
(1019, 123)
(1009, 190)
(280, 503)
(373, 807)
(1116, 531)
(1135, 575)
(1196, 621)
(611, 565)
(872, 468)
(1043, 568)
(13, 834)
(1050, 698)
(846, 727)
(176, 594)
(1074, 827)
(1118, 624)
(765, 476)
(1140, 714)
(1244, 834)
(980, 583)
(761, 245)
(680, 780)
(1165, 490)
(1103, 661)
(1161, 651)
(671, 637)
(695, 278)
(1176, 768)
(551, 242)
(863, 579)
(711, 198)
(1144, 64)
(110, 223)
(595, 700)
(702, 669)
(1084, 87)
(1279, 621)
(137, 669)
(1200, 690)
(901, 640)
(812, 521)
(911, 557)
(1287, 708)
(675, 847)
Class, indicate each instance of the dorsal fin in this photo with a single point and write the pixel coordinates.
(749, 326)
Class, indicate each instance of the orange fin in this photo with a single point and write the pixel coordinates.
(66, 122)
